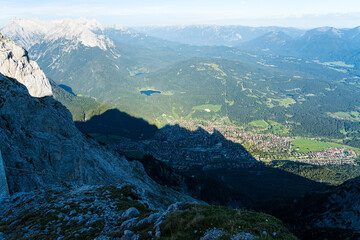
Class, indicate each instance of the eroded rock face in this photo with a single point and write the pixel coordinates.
(4, 189)
(333, 212)
(342, 208)
(15, 63)
(41, 147)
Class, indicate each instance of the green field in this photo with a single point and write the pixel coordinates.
(286, 102)
(259, 123)
(273, 123)
(352, 116)
(208, 108)
(307, 145)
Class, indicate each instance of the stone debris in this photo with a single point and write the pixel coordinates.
(131, 213)
(213, 234)
(244, 236)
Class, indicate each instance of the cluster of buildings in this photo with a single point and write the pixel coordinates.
(267, 147)
(267, 143)
(332, 156)
(326, 162)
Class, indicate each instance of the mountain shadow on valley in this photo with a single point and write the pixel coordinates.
(207, 155)
(209, 190)
(201, 154)
(117, 123)
(67, 88)
(205, 165)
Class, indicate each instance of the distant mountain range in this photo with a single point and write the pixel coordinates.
(213, 35)
(300, 79)
(324, 44)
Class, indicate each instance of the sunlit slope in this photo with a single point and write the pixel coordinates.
(301, 97)
(204, 87)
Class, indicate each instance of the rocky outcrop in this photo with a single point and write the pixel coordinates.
(341, 207)
(42, 147)
(4, 189)
(15, 63)
(330, 213)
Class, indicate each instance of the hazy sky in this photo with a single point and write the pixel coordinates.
(299, 13)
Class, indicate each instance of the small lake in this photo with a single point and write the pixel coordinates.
(138, 74)
(149, 92)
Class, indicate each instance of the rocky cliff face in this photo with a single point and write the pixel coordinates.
(15, 63)
(331, 213)
(41, 146)
(4, 188)
(338, 208)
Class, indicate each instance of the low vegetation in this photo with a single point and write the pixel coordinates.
(331, 174)
(89, 212)
(208, 107)
(309, 145)
(193, 221)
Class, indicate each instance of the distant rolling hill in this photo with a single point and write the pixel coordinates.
(325, 44)
(82, 108)
(213, 35)
(246, 92)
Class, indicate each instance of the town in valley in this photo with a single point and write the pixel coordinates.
(186, 144)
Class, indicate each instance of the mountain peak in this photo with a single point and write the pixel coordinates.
(15, 63)
(28, 32)
(326, 30)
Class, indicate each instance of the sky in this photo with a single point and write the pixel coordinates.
(289, 13)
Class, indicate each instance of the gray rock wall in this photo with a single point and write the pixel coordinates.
(15, 63)
(42, 147)
(4, 188)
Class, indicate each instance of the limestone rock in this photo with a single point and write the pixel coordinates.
(131, 213)
(336, 207)
(4, 189)
(42, 147)
(15, 63)
(213, 234)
